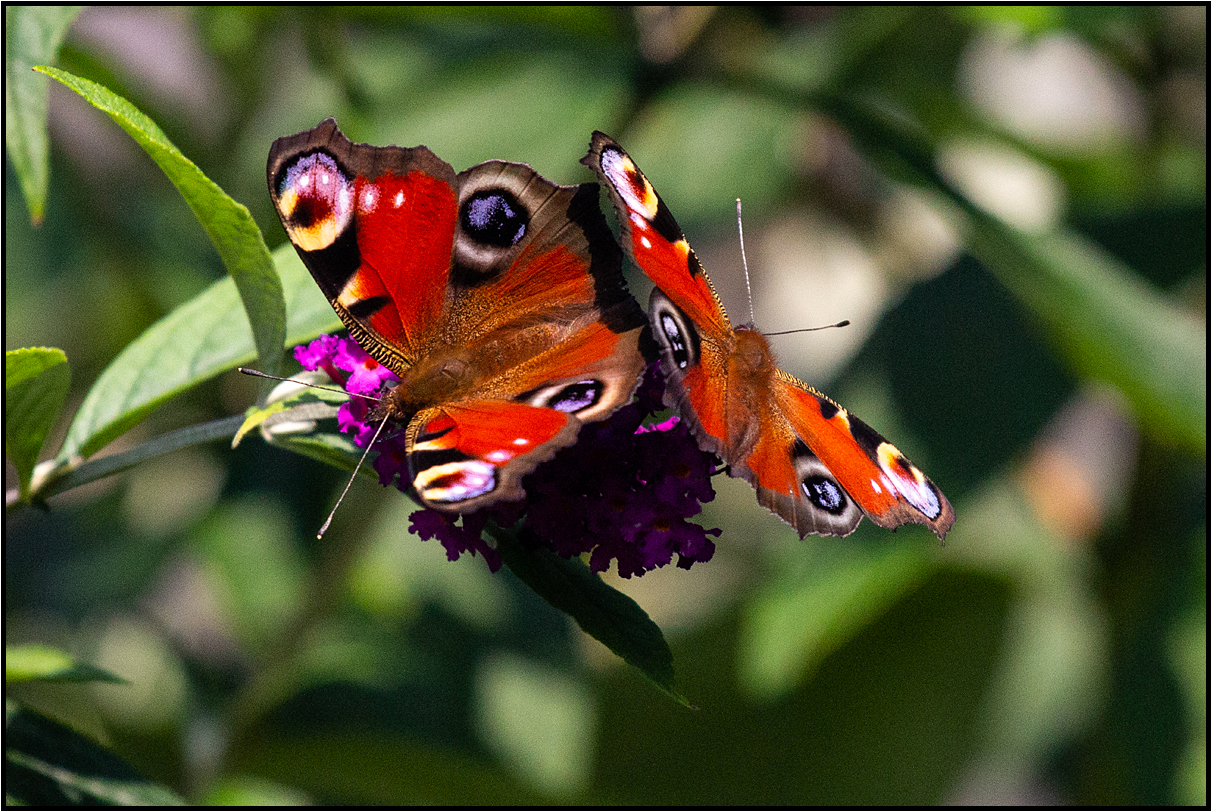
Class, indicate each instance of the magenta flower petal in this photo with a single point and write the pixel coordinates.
(366, 374)
(392, 460)
(317, 353)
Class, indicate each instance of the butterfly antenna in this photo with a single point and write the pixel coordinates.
(341, 498)
(842, 323)
(260, 374)
(378, 431)
(740, 230)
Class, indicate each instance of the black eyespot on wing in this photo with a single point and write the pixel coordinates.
(674, 340)
(576, 397)
(828, 408)
(825, 494)
(569, 398)
(494, 217)
(673, 331)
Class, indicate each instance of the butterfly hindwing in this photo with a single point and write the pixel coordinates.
(470, 453)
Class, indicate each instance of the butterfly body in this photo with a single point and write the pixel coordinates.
(494, 295)
(811, 462)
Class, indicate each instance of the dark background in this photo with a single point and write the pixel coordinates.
(1053, 651)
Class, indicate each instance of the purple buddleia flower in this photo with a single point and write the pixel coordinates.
(428, 524)
(391, 459)
(366, 374)
(622, 493)
(318, 353)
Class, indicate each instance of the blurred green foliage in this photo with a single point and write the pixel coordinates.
(1026, 270)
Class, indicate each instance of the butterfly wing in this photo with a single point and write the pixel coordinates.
(822, 469)
(375, 227)
(685, 312)
(654, 239)
(471, 452)
(544, 319)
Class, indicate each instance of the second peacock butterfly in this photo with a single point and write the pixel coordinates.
(813, 463)
(496, 296)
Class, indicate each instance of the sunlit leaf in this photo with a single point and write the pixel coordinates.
(203, 337)
(229, 224)
(302, 404)
(36, 380)
(33, 662)
(249, 791)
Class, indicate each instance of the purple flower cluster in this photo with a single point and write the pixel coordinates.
(623, 492)
(349, 365)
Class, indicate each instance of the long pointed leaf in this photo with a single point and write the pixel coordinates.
(114, 463)
(49, 765)
(604, 613)
(34, 662)
(229, 224)
(1105, 320)
(1109, 324)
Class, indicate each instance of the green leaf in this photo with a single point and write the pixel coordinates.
(35, 384)
(1109, 323)
(229, 224)
(35, 662)
(32, 35)
(251, 790)
(602, 612)
(331, 448)
(255, 416)
(293, 401)
(200, 339)
(1104, 319)
(793, 624)
(110, 464)
(47, 764)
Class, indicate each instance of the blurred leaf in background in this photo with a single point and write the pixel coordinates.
(1009, 204)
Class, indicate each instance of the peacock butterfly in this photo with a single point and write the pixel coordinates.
(496, 296)
(814, 464)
